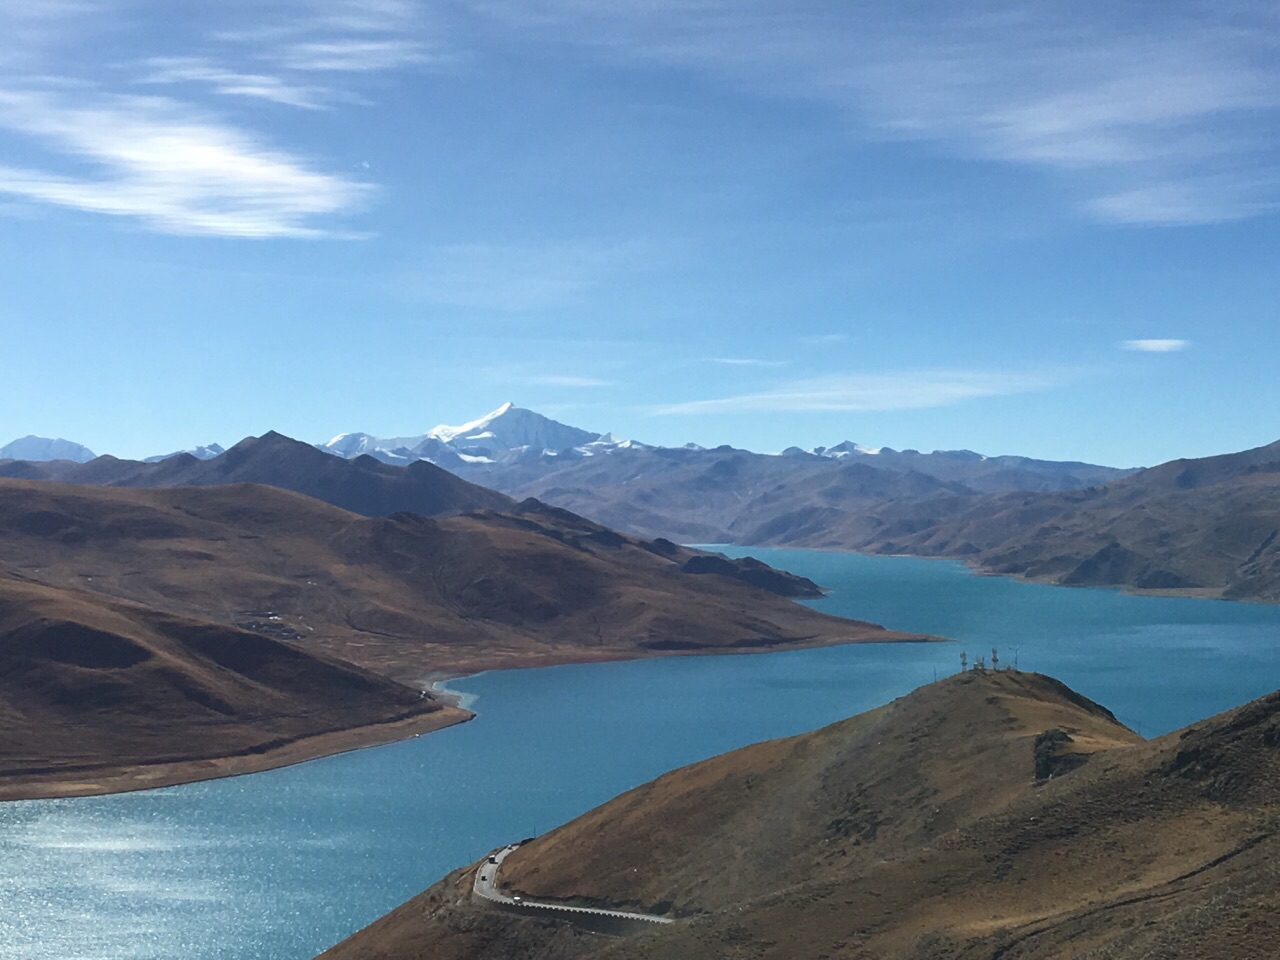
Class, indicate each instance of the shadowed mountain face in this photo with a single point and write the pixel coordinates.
(94, 688)
(983, 816)
(363, 485)
(1209, 526)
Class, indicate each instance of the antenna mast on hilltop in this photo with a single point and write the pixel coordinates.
(964, 661)
(995, 659)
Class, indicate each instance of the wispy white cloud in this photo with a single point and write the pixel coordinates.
(156, 160)
(351, 55)
(869, 392)
(366, 16)
(747, 362)
(821, 339)
(1155, 118)
(341, 36)
(1187, 203)
(224, 81)
(1156, 346)
(88, 142)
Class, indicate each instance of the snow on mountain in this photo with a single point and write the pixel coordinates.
(509, 434)
(848, 449)
(43, 448)
(351, 445)
(511, 428)
(205, 452)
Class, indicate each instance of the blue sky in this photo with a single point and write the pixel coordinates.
(1029, 227)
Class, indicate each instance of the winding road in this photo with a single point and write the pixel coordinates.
(486, 888)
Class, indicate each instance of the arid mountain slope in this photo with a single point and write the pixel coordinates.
(983, 816)
(715, 496)
(104, 694)
(363, 485)
(406, 595)
(146, 630)
(1208, 526)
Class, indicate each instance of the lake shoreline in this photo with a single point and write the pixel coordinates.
(128, 778)
(978, 568)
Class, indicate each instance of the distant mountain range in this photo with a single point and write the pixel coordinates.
(512, 443)
(688, 493)
(694, 494)
(1208, 526)
(512, 437)
(363, 485)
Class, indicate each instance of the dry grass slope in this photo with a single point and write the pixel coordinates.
(406, 595)
(105, 694)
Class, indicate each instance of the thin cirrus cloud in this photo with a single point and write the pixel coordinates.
(1158, 119)
(878, 392)
(365, 16)
(1156, 346)
(153, 159)
(228, 82)
(747, 362)
(351, 55)
(339, 36)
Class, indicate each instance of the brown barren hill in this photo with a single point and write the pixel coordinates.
(988, 815)
(144, 580)
(1207, 527)
(100, 695)
(407, 595)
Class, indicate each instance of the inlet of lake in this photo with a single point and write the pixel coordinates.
(280, 865)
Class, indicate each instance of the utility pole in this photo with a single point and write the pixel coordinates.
(995, 659)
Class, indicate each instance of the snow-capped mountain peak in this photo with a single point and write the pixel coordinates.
(505, 435)
(511, 428)
(45, 448)
(847, 448)
(445, 433)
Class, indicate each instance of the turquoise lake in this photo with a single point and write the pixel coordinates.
(280, 865)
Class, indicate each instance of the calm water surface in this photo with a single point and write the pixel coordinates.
(284, 863)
